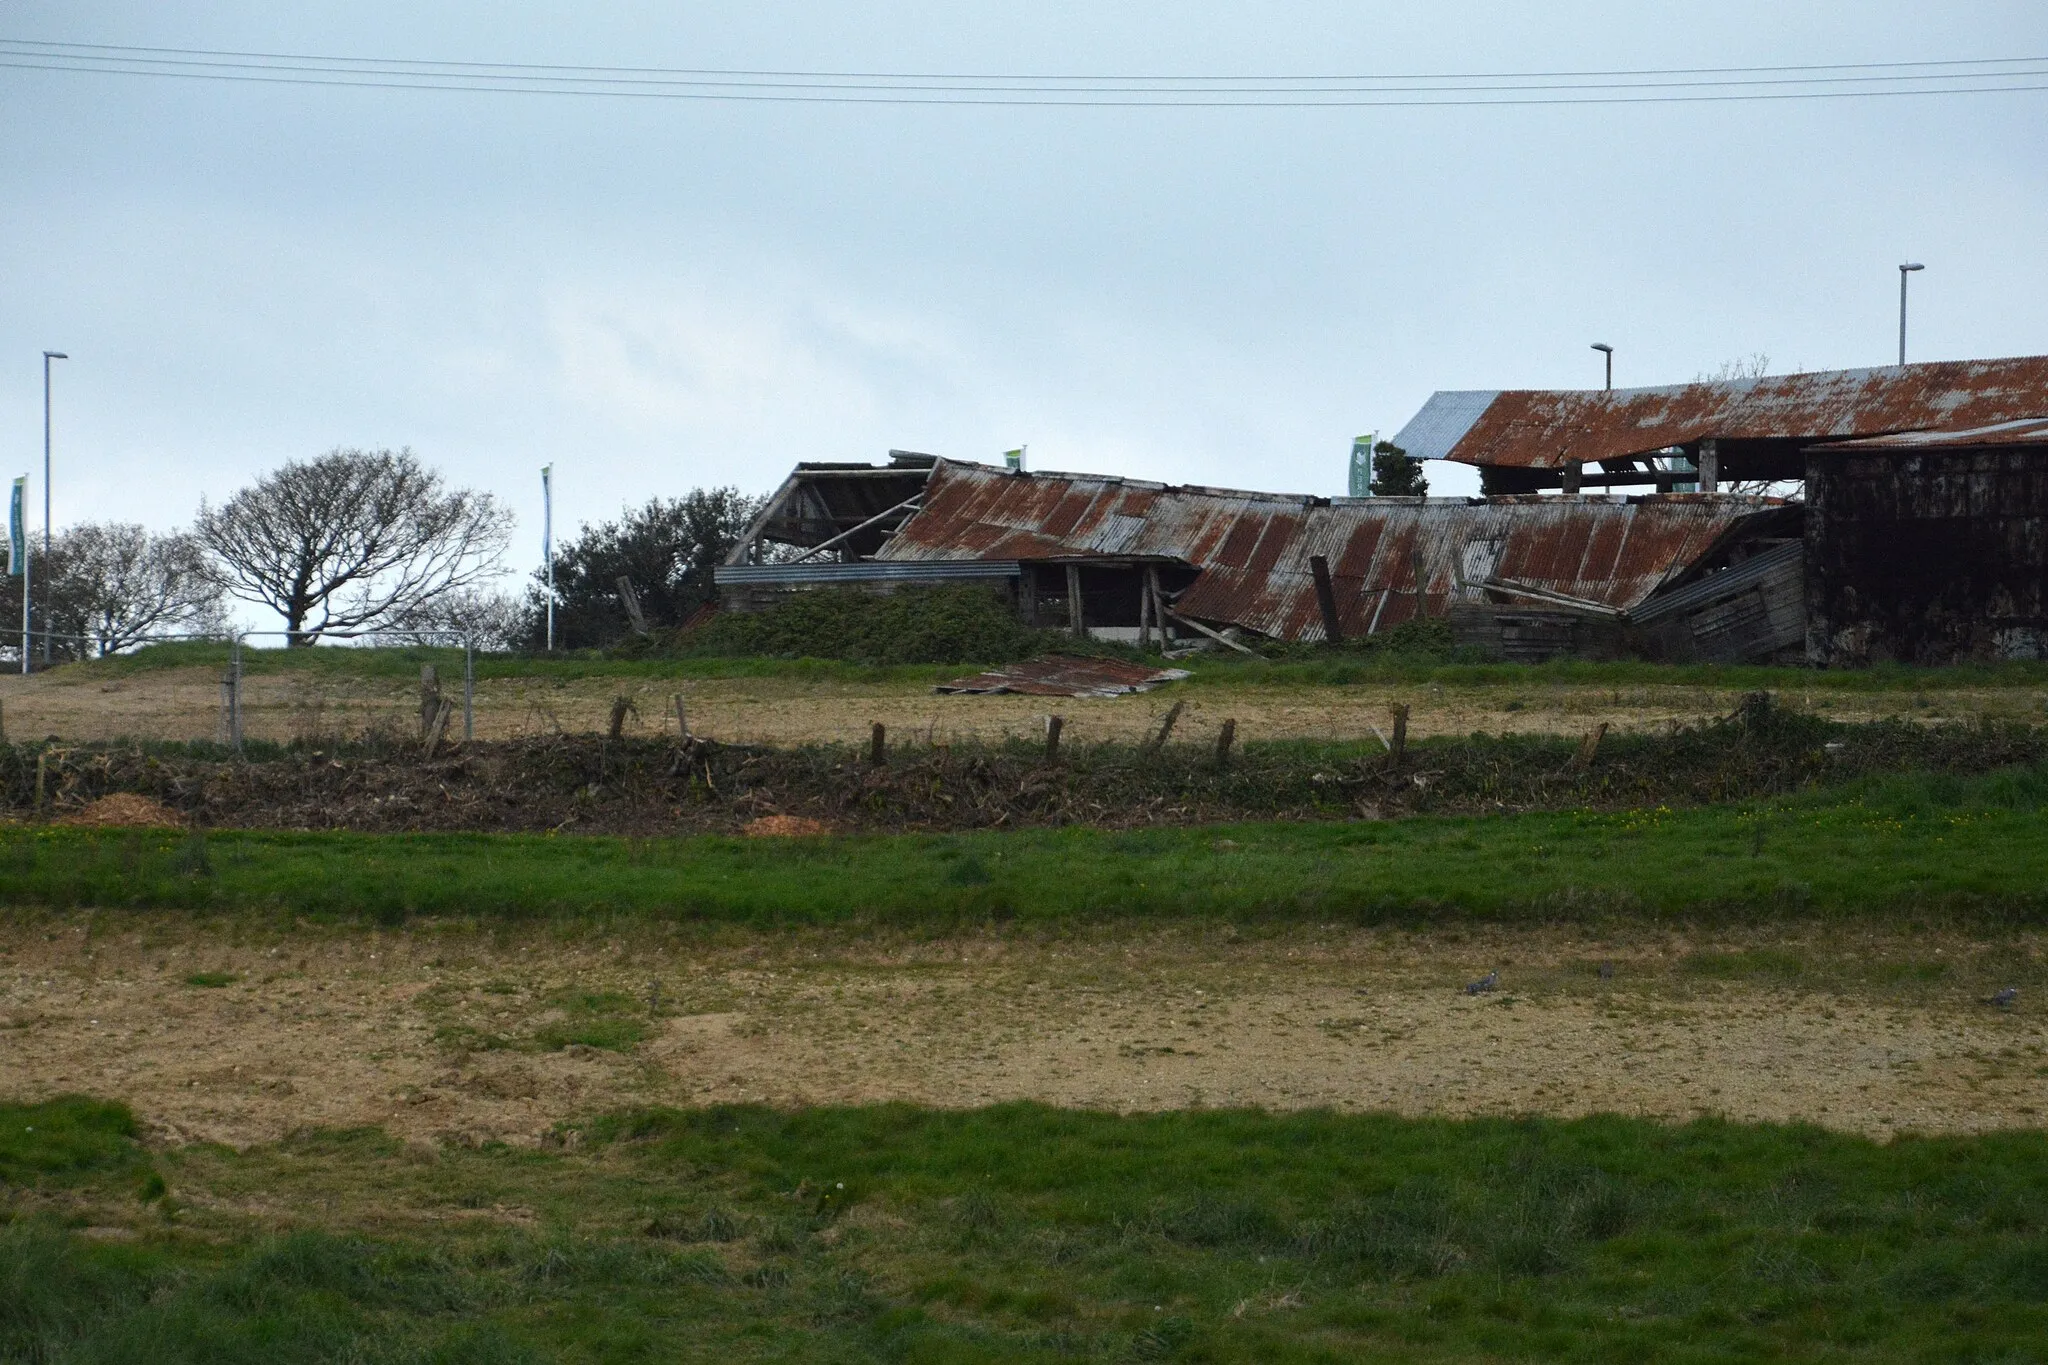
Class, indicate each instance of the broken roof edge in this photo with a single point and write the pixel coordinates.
(1331, 500)
(1547, 428)
(2021, 431)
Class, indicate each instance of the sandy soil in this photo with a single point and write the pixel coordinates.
(428, 1031)
(186, 704)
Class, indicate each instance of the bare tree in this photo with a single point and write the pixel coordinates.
(491, 620)
(352, 540)
(108, 586)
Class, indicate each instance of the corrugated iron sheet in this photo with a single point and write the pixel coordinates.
(2031, 431)
(1066, 675)
(827, 573)
(1548, 428)
(1253, 549)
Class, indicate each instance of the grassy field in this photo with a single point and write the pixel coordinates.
(1906, 845)
(1019, 1233)
(322, 695)
(1309, 670)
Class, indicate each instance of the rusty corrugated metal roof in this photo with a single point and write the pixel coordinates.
(1548, 428)
(2028, 431)
(1253, 549)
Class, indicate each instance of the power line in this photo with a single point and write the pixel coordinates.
(1650, 86)
(56, 48)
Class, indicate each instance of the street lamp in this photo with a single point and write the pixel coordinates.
(1908, 268)
(48, 356)
(1607, 351)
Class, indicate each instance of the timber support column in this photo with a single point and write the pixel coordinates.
(1710, 466)
(1075, 620)
(1573, 471)
(1326, 599)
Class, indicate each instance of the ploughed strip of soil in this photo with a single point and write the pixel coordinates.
(217, 1032)
(590, 784)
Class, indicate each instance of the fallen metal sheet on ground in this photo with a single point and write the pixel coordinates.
(1065, 675)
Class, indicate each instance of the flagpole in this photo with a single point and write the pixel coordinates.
(17, 545)
(547, 542)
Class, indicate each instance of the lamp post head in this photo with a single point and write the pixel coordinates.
(1911, 265)
(1603, 346)
(55, 355)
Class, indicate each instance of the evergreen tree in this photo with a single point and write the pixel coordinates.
(1394, 475)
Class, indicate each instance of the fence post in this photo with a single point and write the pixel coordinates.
(1053, 726)
(468, 688)
(878, 745)
(430, 698)
(235, 697)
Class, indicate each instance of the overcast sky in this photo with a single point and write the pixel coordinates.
(655, 295)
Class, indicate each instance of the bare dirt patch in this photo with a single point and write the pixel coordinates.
(453, 1034)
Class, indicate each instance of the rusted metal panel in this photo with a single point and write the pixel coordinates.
(1253, 549)
(1927, 556)
(1550, 428)
(2029, 431)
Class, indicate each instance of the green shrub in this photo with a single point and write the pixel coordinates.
(946, 624)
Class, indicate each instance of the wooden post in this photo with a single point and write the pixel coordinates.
(1158, 741)
(1326, 598)
(1053, 726)
(878, 745)
(1224, 739)
(1397, 747)
(620, 706)
(1588, 747)
(42, 777)
(1421, 585)
(631, 601)
(1158, 601)
(1144, 614)
(1574, 470)
(430, 698)
(438, 727)
(682, 721)
(1710, 466)
(1076, 622)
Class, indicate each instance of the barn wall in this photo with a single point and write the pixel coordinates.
(1927, 558)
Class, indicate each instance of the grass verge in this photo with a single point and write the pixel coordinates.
(1021, 1233)
(1916, 845)
(1297, 668)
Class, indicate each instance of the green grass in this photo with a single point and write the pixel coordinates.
(1021, 1233)
(1332, 670)
(212, 979)
(1974, 847)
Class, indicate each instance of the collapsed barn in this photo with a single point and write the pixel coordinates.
(1922, 534)
(1925, 528)
(1140, 562)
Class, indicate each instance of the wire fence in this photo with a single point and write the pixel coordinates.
(173, 718)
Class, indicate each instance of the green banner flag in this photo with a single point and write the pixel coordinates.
(17, 533)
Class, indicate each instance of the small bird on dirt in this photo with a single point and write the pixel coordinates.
(2005, 998)
(1483, 984)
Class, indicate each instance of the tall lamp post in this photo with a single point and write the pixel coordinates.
(1607, 351)
(48, 356)
(1908, 268)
